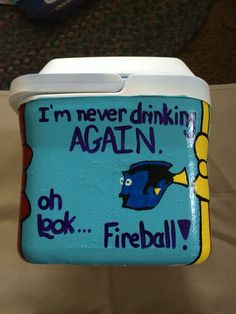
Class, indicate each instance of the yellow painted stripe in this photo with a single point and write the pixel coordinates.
(206, 116)
(205, 234)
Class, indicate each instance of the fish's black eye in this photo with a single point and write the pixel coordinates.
(121, 181)
(128, 182)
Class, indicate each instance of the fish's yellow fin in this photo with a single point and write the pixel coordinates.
(157, 191)
(181, 178)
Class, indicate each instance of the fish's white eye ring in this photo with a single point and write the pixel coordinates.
(121, 181)
(128, 182)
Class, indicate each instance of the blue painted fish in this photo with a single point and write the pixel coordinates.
(144, 184)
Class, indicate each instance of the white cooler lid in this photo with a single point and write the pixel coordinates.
(123, 76)
(123, 66)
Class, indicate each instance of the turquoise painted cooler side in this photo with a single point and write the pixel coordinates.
(78, 205)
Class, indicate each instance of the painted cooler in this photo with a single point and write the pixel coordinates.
(114, 162)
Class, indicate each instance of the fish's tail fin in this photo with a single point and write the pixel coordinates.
(181, 178)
